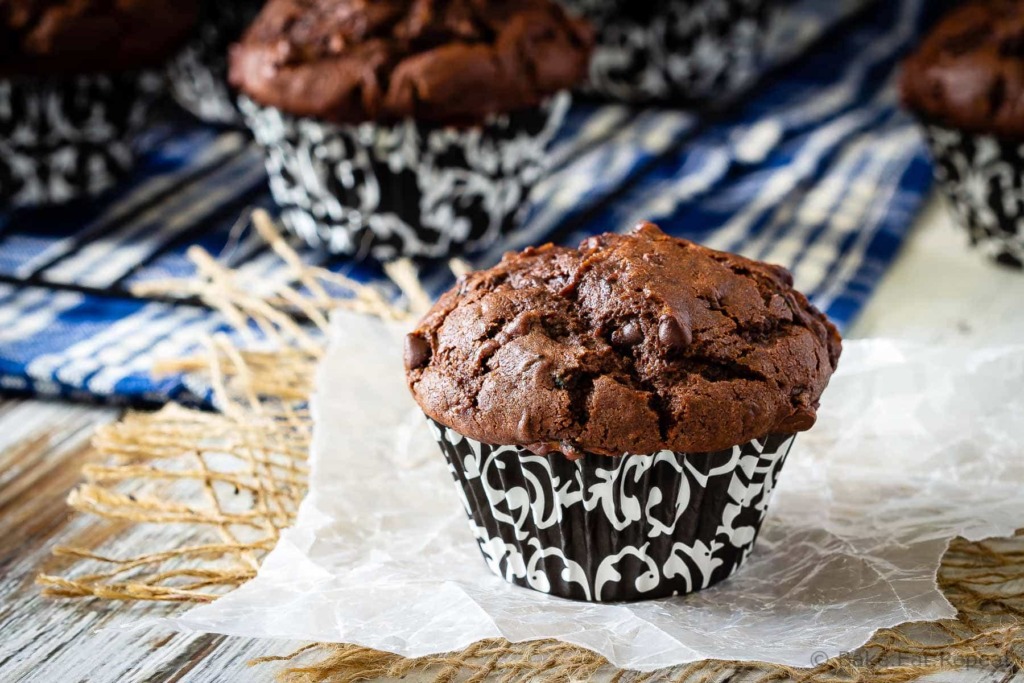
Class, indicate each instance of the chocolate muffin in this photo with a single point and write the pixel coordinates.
(406, 127)
(966, 85)
(620, 409)
(73, 91)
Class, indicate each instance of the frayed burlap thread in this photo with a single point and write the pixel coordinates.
(219, 487)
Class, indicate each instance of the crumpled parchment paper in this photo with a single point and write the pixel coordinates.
(913, 446)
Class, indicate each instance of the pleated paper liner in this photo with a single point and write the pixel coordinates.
(407, 189)
(68, 137)
(983, 178)
(608, 529)
(691, 51)
(198, 75)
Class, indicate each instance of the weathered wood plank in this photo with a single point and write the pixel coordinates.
(42, 448)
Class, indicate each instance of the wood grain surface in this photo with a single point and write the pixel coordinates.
(42, 448)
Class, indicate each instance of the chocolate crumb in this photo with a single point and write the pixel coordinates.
(417, 352)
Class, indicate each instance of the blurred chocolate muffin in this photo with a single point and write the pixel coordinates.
(63, 37)
(406, 127)
(198, 74)
(966, 85)
(73, 91)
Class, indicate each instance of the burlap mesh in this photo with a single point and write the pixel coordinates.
(221, 485)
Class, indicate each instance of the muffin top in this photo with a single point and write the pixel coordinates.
(629, 344)
(452, 62)
(39, 37)
(969, 72)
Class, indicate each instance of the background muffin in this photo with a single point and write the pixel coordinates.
(684, 51)
(656, 366)
(72, 93)
(406, 127)
(198, 74)
(966, 85)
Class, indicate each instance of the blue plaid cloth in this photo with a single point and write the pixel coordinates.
(819, 170)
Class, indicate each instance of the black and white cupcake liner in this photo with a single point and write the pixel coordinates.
(684, 51)
(198, 75)
(606, 529)
(983, 177)
(63, 138)
(408, 189)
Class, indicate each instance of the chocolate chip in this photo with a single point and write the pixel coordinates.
(629, 334)
(571, 450)
(779, 308)
(996, 95)
(544, 448)
(1012, 46)
(784, 275)
(800, 421)
(486, 350)
(968, 40)
(417, 352)
(674, 334)
(566, 448)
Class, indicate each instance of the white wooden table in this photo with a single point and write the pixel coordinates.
(937, 292)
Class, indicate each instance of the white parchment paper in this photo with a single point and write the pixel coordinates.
(914, 445)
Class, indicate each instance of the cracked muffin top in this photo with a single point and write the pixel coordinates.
(39, 37)
(969, 72)
(451, 62)
(629, 344)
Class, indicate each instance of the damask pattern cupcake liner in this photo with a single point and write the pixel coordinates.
(198, 83)
(614, 529)
(408, 189)
(66, 138)
(983, 177)
(691, 51)
(198, 75)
